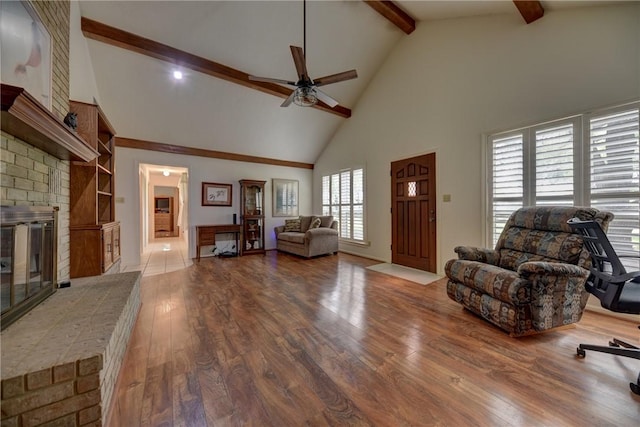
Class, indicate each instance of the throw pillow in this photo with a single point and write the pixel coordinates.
(292, 224)
(305, 221)
(325, 221)
(315, 223)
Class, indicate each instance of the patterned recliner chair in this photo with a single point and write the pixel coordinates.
(534, 279)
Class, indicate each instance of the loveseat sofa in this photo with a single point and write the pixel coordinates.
(308, 236)
(534, 279)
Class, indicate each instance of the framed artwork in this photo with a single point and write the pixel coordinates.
(26, 50)
(285, 197)
(214, 194)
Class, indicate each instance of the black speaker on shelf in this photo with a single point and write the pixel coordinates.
(235, 218)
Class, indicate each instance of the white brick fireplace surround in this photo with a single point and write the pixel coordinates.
(61, 361)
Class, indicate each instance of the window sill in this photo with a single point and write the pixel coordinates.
(361, 243)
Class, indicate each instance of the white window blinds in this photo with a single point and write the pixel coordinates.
(507, 180)
(554, 164)
(343, 197)
(614, 166)
(590, 159)
(358, 205)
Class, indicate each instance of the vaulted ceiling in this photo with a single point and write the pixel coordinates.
(135, 46)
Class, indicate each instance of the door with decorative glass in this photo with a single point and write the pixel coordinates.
(413, 212)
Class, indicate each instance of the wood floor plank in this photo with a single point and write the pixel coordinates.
(157, 401)
(279, 340)
(339, 408)
(273, 386)
(188, 407)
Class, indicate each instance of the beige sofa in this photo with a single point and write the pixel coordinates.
(306, 241)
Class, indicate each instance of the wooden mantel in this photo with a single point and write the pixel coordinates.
(26, 118)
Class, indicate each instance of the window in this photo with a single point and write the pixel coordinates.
(343, 197)
(590, 160)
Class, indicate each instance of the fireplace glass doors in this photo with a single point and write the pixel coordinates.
(28, 259)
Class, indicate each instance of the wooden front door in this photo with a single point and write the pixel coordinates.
(413, 212)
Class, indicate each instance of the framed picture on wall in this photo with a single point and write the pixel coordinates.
(26, 50)
(214, 194)
(285, 197)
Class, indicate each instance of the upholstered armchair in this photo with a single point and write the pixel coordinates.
(534, 279)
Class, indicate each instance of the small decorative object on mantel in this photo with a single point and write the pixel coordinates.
(71, 120)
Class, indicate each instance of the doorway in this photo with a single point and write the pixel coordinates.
(164, 201)
(413, 212)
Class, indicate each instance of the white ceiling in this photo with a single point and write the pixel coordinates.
(142, 100)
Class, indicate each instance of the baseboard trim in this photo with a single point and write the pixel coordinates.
(594, 306)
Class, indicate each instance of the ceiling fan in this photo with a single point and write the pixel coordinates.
(307, 93)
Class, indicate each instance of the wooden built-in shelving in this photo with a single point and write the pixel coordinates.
(95, 234)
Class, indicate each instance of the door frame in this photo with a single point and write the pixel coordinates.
(147, 194)
(434, 259)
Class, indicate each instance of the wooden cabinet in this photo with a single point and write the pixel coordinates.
(163, 215)
(107, 248)
(206, 235)
(163, 222)
(252, 216)
(116, 240)
(110, 244)
(92, 223)
(94, 249)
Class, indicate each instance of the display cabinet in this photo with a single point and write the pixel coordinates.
(252, 216)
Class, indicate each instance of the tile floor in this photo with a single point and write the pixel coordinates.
(407, 273)
(162, 256)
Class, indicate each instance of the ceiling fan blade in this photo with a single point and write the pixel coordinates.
(289, 100)
(335, 78)
(270, 80)
(299, 61)
(326, 98)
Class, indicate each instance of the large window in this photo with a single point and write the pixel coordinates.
(587, 160)
(343, 197)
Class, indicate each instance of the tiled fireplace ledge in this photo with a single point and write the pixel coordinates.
(61, 361)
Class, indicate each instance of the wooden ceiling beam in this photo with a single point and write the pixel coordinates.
(115, 37)
(530, 10)
(139, 144)
(394, 14)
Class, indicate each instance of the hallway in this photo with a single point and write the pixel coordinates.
(162, 256)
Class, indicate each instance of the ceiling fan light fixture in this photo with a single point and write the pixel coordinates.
(305, 96)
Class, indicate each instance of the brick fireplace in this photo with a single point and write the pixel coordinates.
(60, 361)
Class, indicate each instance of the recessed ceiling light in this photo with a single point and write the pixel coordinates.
(166, 173)
(177, 75)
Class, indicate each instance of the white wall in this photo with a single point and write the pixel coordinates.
(200, 170)
(453, 80)
(82, 82)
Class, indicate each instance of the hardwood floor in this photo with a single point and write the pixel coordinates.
(278, 340)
